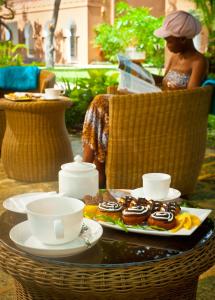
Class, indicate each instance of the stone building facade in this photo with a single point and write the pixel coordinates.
(75, 27)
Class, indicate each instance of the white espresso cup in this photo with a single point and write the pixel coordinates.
(55, 220)
(53, 93)
(156, 185)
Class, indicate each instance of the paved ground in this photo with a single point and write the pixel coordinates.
(204, 196)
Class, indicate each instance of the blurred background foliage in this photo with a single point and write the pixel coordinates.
(82, 91)
(133, 27)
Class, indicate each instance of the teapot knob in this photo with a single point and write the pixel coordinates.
(78, 158)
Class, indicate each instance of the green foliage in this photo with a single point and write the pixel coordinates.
(206, 10)
(83, 90)
(206, 13)
(9, 55)
(211, 131)
(133, 26)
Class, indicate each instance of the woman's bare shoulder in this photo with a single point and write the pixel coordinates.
(199, 57)
(199, 60)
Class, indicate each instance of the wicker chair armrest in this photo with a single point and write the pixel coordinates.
(46, 80)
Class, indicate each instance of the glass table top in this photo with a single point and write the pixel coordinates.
(116, 247)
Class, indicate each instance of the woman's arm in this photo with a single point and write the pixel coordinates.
(199, 72)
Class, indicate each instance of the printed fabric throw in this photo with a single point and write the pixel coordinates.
(19, 78)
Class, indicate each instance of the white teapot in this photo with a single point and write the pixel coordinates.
(78, 178)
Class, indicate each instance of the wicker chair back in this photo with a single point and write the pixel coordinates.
(157, 132)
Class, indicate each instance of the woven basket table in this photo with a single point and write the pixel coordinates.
(120, 266)
(2, 126)
(36, 141)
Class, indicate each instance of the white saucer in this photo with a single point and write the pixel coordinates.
(20, 234)
(47, 98)
(173, 194)
(17, 203)
(44, 97)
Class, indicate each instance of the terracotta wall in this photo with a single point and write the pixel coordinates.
(96, 15)
(157, 7)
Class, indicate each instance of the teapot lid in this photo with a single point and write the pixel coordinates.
(78, 165)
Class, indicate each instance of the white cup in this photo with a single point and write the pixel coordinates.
(55, 220)
(156, 185)
(53, 93)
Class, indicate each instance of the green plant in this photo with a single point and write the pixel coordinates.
(211, 131)
(82, 91)
(206, 13)
(9, 54)
(133, 26)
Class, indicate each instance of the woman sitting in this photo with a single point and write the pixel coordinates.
(187, 68)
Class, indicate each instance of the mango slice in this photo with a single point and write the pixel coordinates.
(90, 211)
(186, 220)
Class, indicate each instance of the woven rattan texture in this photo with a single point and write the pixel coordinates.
(36, 141)
(171, 278)
(158, 132)
(2, 126)
(46, 80)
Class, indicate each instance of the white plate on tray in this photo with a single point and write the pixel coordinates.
(14, 97)
(20, 234)
(173, 194)
(18, 203)
(201, 213)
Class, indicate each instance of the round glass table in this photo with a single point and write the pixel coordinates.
(120, 266)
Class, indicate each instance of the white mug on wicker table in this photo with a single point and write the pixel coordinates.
(53, 93)
(55, 220)
(156, 185)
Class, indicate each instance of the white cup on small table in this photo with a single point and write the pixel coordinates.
(156, 185)
(53, 93)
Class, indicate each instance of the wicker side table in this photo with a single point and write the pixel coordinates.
(2, 126)
(36, 141)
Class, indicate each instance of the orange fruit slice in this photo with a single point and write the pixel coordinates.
(90, 211)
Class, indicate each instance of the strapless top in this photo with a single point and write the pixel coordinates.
(179, 80)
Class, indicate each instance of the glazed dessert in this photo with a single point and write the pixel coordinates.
(171, 207)
(109, 208)
(134, 211)
(126, 201)
(162, 219)
(155, 205)
(135, 215)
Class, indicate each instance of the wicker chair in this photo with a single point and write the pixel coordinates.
(158, 132)
(46, 80)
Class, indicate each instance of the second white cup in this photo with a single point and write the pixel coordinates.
(53, 93)
(156, 185)
(55, 220)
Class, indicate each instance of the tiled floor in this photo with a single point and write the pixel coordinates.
(204, 197)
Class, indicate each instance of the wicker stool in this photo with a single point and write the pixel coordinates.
(36, 142)
(46, 80)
